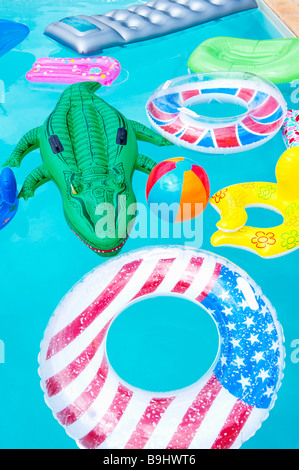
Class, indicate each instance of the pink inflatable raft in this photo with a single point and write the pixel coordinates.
(72, 70)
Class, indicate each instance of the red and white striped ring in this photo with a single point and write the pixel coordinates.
(168, 111)
(99, 410)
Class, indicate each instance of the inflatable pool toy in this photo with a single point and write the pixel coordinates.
(8, 196)
(169, 112)
(180, 184)
(155, 18)
(73, 70)
(11, 34)
(272, 59)
(89, 150)
(282, 197)
(221, 410)
(290, 128)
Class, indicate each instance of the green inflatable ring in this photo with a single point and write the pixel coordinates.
(273, 59)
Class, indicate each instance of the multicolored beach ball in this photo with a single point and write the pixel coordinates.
(180, 185)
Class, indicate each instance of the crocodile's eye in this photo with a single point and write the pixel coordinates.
(55, 144)
(121, 136)
(76, 186)
(73, 190)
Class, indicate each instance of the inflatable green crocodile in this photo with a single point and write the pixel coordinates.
(89, 150)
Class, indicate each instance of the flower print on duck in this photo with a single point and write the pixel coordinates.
(262, 239)
(266, 192)
(290, 240)
(219, 195)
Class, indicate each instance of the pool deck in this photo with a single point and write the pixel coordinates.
(287, 11)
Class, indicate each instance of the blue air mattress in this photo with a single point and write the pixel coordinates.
(155, 18)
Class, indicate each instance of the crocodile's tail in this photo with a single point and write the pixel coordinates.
(78, 92)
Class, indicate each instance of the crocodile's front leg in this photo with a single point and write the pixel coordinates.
(144, 133)
(28, 143)
(144, 164)
(35, 179)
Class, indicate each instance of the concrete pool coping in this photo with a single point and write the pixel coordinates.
(284, 14)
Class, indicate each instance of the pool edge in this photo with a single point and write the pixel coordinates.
(283, 23)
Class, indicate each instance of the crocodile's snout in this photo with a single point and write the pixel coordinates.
(107, 212)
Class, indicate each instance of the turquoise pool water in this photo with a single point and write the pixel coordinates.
(41, 259)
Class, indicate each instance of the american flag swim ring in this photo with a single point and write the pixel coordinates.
(221, 410)
(170, 114)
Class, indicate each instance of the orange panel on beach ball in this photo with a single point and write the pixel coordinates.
(181, 184)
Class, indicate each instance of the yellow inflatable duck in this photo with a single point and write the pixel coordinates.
(282, 197)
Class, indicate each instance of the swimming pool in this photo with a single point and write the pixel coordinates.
(41, 259)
